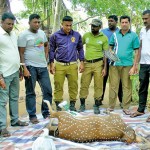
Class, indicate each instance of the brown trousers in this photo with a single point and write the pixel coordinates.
(92, 70)
(117, 73)
(71, 73)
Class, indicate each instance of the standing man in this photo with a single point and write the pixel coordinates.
(112, 23)
(95, 64)
(33, 47)
(66, 47)
(144, 58)
(9, 74)
(124, 43)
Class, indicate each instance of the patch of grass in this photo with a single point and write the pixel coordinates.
(135, 90)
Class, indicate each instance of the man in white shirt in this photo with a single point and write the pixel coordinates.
(9, 74)
(144, 57)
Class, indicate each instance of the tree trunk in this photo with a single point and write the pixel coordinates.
(4, 6)
(56, 25)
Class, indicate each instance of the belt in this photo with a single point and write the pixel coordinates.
(66, 63)
(94, 60)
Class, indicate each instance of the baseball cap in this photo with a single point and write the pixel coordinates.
(96, 22)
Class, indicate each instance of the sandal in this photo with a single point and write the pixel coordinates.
(148, 119)
(20, 123)
(135, 114)
(110, 109)
(34, 120)
(127, 112)
(4, 133)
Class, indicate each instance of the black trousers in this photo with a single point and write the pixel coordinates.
(120, 93)
(144, 76)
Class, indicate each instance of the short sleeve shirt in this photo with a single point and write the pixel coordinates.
(145, 51)
(95, 45)
(34, 54)
(124, 46)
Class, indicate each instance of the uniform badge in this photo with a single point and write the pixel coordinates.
(73, 39)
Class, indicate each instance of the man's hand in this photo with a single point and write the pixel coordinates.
(104, 72)
(133, 70)
(81, 67)
(2, 83)
(26, 72)
(52, 68)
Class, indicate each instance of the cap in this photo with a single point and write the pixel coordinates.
(96, 22)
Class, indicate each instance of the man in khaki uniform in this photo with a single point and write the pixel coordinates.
(66, 49)
(95, 64)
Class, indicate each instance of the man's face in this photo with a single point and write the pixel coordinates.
(146, 19)
(67, 26)
(95, 29)
(112, 23)
(7, 25)
(125, 24)
(34, 24)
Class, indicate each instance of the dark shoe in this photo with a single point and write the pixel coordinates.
(4, 133)
(72, 106)
(135, 114)
(82, 106)
(20, 123)
(57, 107)
(96, 109)
(46, 116)
(98, 102)
(121, 105)
(34, 120)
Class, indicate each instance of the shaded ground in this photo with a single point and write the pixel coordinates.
(89, 101)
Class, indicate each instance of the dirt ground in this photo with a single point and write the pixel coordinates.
(89, 100)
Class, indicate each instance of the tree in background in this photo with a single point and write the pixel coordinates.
(50, 11)
(4, 6)
(104, 8)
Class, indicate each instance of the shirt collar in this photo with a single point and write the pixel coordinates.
(100, 34)
(2, 31)
(127, 32)
(62, 32)
(115, 30)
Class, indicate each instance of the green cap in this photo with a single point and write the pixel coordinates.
(96, 22)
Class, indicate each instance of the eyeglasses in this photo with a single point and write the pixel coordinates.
(94, 26)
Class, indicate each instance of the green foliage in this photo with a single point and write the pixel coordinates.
(133, 8)
(135, 88)
(41, 7)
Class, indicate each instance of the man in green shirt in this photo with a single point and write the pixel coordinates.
(124, 43)
(95, 64)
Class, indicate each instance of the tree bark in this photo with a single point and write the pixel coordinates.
(4, 6)
(56, 25)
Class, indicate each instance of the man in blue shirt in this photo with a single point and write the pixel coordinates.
(66, 48)
(112, 23)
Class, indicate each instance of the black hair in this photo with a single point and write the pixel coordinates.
(125, 17)
(67, 18)
(8, 15)
(113, 17)
(33, 16)
(146, 12)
